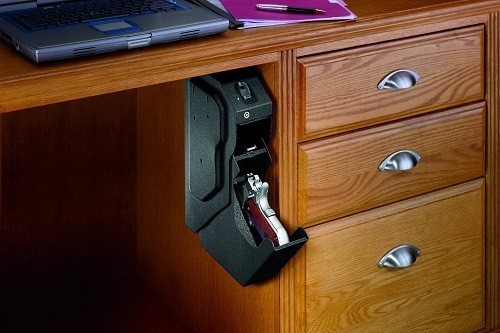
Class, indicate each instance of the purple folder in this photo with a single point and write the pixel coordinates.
(245, 11)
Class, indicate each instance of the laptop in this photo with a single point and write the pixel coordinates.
(46, 30)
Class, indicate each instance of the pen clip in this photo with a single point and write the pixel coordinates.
(270, 6)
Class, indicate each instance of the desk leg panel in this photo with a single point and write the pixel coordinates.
(170, 257)
(67, 220)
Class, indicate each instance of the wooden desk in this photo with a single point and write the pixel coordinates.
(92, 176)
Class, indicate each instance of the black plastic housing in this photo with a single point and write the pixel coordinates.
(227, 128)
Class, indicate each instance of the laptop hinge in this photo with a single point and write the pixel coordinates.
(16, 5)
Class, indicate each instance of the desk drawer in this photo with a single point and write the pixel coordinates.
(442, 291)
(339, 91)
(340, 175)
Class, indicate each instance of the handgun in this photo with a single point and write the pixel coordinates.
(259, 213)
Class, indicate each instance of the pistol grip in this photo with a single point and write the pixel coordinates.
(259, 221)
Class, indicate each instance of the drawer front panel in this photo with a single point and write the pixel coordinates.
(340, 175)
(339, 91)
(442, 291)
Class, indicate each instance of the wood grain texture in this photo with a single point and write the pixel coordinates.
(111, 74)
(339, 91)
(170, 257)
(68, 204)
(442, 292)
(292, 307)
(340, 175)
(272, 80)
(493, 168)
(24, 84)
(389, 33)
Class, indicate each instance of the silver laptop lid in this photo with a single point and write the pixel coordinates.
(10, 5)
(11, 2)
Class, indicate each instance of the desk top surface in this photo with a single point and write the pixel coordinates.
(25, 84)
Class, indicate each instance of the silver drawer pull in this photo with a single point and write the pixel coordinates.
(400, 79)
(400, 257)
(400, 161)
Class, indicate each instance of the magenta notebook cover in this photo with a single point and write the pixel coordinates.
(244, 10)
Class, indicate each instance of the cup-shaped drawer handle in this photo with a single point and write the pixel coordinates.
(400, 161)
(400, 79)
(400, 257)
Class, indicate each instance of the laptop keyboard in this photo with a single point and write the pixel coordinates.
(80, 12)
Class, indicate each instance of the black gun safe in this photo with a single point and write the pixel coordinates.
(227, 128)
